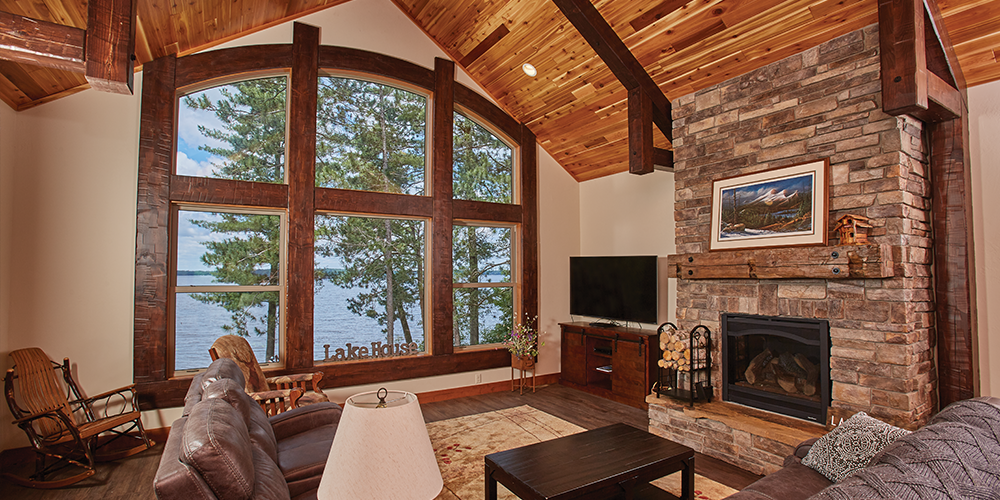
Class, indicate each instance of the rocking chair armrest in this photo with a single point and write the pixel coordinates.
(288, 394)
(305, 380)
(314, 377)
(55, 410)
(130, 388)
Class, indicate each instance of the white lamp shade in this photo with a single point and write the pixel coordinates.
(381, 453)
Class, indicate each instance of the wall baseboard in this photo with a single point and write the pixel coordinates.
(475, 390)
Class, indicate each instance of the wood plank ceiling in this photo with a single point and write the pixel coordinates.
(574, 105)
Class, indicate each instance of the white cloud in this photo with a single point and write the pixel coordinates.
(189, 119)
(187, 166)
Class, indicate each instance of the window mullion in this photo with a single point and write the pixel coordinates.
(301, 181)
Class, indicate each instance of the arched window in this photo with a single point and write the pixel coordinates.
(338, 214)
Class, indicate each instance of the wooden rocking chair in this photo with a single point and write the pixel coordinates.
(66, 429)
(297, 389)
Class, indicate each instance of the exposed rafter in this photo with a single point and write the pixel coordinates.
(647, 104)
(104, 52)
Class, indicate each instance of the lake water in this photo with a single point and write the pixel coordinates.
(198, 325)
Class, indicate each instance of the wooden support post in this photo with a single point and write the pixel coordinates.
(151, 355)
(921, 77)
(954, 263)
(111, 45)
(640, 132)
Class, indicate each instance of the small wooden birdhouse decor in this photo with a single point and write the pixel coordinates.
(853, 229)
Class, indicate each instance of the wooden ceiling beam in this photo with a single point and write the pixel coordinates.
(103, 52)
(911, 83)
(622, 63)
(487, 43)
(41, 43)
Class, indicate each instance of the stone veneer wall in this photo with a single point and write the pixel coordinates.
(822, 103)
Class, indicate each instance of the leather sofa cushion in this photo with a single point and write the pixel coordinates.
(261, 434)
(218, 370)
(216, 444)
(269, 484)
(304, 455)
(176, 480)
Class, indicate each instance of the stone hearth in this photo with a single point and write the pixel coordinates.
(822, 103)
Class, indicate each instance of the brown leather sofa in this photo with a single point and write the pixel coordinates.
(225, 447)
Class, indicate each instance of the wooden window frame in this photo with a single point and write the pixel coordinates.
(159, 189)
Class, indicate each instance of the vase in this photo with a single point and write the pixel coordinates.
(522, 362)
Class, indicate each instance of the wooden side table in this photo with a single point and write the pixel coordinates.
(522, 364)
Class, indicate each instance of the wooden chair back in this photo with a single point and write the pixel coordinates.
(238, 349)
(39, 388)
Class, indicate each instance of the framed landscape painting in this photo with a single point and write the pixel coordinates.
(781, 207)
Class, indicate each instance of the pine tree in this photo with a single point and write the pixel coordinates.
(372, 137)
(253, 117)
(482, 172)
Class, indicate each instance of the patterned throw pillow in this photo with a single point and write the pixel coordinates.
(851, 446)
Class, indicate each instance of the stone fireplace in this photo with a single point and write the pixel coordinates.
(822, 103)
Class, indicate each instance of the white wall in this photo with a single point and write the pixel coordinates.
(984, 138)
(67, 221)
(7, 116)
(626, 214)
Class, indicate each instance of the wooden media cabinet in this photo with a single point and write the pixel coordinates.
(613, 362)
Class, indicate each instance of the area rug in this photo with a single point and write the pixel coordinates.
(461, 443)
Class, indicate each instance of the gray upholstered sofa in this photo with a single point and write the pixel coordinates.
(224, 446)
(956, 455)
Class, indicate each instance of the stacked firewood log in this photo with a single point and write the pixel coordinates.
(793, 372)
(677, 352)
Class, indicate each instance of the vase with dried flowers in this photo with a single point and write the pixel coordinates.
(522, 342)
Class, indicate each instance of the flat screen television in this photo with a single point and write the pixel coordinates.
(614, 287)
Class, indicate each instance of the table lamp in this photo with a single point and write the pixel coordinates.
(381, 451)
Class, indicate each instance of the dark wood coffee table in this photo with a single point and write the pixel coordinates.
(613, 461)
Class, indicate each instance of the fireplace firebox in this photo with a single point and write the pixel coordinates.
(777, 364)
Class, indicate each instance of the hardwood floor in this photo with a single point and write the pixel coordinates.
(132, 478)
(583, 409)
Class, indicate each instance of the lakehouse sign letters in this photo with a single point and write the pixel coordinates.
(378, 350)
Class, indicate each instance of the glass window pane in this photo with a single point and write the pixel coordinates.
(483, 166)
(369, 292)
(200, 318)
(220, 248)
(234, 131)
(370, 137)
(482, 315)
(481, 254)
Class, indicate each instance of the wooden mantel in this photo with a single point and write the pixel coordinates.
(839, 262)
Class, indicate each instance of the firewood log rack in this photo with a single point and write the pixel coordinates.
(693, 382)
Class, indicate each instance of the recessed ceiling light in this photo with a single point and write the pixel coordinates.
(529, 69)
